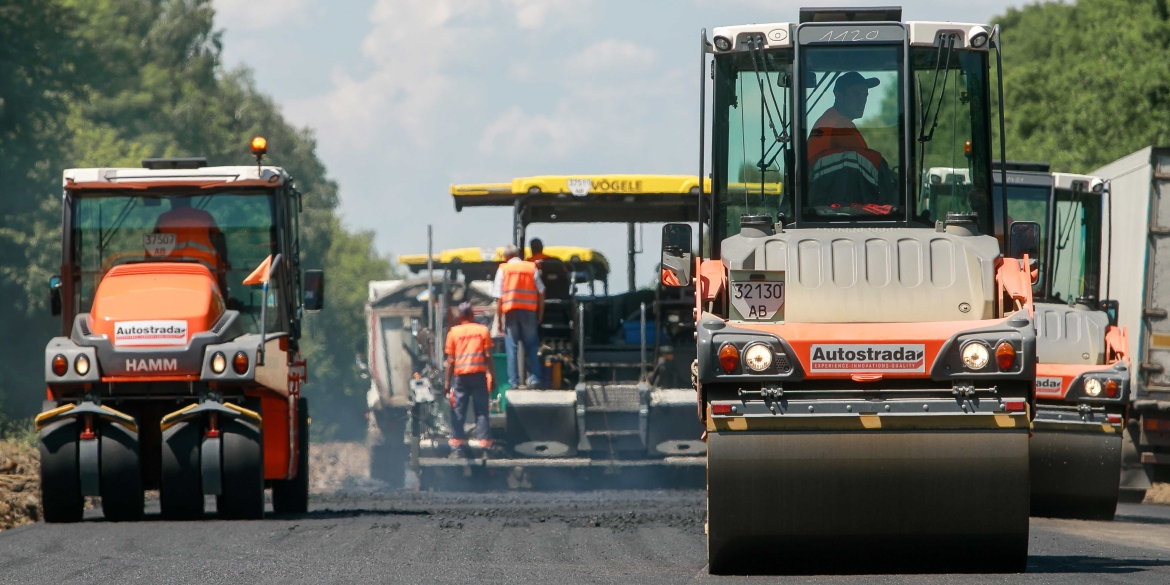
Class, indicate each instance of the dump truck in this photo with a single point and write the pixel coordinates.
(178, 368)
(620, 393)
(1136, 219)
(865, 357)
(1082, 370)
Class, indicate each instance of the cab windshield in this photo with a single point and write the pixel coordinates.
(229, 233)
(1076, 233)
(853, 122)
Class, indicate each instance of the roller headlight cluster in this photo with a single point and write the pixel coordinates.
(1093, 387)
(81, 365)
(758, 357)
(976, 355)
(218, 362)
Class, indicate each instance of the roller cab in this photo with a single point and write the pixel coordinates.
(865, 352)
(178, 367)
(1082, 374)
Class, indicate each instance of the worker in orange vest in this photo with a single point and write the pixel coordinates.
(844, 172)
(520, 308)
(537, 248)
(197, 237)
(469, 364)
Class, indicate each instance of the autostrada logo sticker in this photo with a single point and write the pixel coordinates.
(1048, 384)
(150, 333)
(849, 358)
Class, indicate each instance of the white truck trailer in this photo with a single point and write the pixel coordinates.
(1137, 221)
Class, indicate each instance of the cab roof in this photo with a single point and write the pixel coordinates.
(590, 198)
(779, 34)
(107, 179)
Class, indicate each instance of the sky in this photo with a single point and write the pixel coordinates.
(407, 97)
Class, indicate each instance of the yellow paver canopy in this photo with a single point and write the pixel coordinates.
(590, 198)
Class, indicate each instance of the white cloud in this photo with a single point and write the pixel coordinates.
(533, 14)
(613, 56)
(253, 15)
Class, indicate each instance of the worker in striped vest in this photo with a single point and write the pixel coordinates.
(469, 365)
(520, 308)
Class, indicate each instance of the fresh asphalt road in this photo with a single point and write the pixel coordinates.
(632, 536)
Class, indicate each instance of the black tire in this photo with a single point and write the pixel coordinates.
(60, 483)
(243, 472)
(292, 496)
(181, 488)
(121, 474)
(388, 459)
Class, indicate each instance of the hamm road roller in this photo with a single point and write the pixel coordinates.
(865, 356)
(1082, 370)
(178, 368)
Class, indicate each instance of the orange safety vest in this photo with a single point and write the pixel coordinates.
(193, 229)
(519, 287)
(468, 344)
(835, 143)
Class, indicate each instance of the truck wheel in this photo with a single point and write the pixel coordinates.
(121, 473)
(243, 472)
(60, 484)
(180, 489)
(292, 496)
(388, 459)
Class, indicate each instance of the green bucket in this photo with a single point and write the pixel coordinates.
(499, 393)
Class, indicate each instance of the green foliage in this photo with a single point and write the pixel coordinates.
(88, 83)
(1087, 82)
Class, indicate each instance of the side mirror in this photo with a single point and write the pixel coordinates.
(55, 295)
(1024, 239)
(676, 254)
(314, 290)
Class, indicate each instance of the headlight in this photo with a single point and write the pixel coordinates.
(81, 365)
(728, 357)
(975, 355)
(758, 357)
(218, 362)
(240, 363)
(1111, 388)
(723, 43)
(60, 365)
(1093, 387)
(1005, 355)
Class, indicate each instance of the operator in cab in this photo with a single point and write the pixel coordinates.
(469, 369)
(197, 237)
(537, 248)
(845, 174)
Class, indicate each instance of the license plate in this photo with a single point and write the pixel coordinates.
(758, 300)
(158, 244)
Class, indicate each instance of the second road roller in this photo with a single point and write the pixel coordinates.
(865, 346)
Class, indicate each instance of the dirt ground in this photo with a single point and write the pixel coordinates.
(19, 485)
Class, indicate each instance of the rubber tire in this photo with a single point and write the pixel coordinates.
(388, 460)
(121, 474)
(243, 472)
(181, 487)
(61, 499)
(291, 496)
